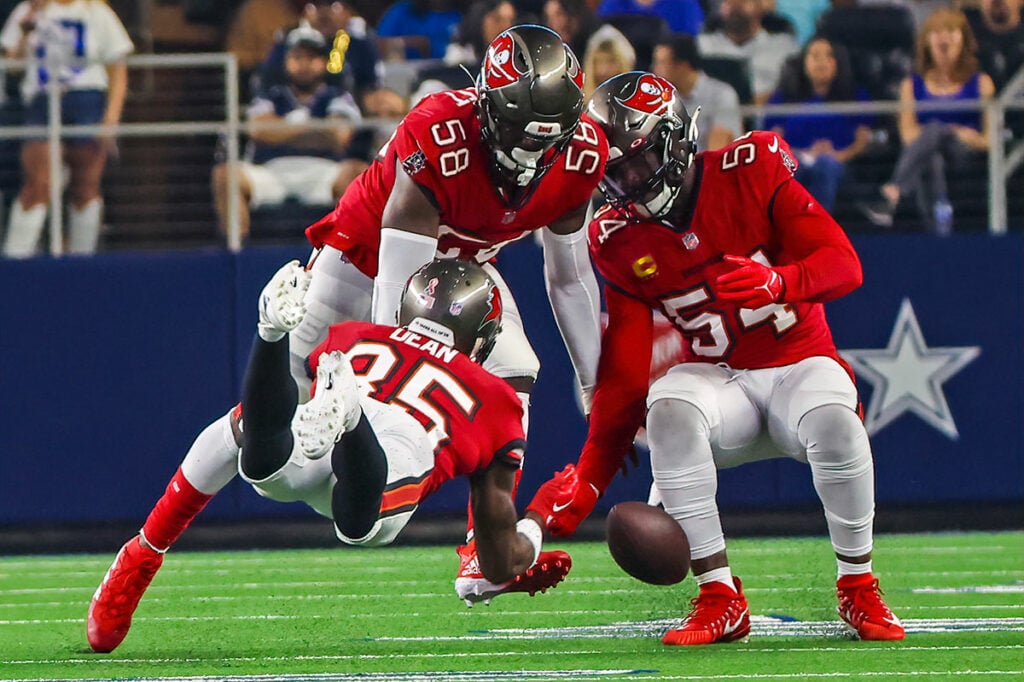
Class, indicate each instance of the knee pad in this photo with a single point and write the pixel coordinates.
(835, 440)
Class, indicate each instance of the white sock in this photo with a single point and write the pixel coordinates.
(84, 227)
(846, 568)
(212, 461)
(24, 227)
(721, 575)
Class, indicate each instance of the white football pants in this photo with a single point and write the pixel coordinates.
(702, 417)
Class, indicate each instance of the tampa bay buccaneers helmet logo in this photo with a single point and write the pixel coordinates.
(652, 95)
(494, 300)
(499, 67)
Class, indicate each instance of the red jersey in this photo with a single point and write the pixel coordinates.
(438, 144)
(471, 416)
(745, 202)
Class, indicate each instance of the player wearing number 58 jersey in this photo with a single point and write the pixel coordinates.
(437, 146)
(740, 258)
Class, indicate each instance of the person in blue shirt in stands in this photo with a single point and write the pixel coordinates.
(425, 27)
(683, 16)
(310, 164)
(824, 142)
(945, 70)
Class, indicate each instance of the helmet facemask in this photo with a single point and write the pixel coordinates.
(522, 156)
(649, 177)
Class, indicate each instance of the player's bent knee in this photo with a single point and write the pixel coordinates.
(383, 532)
(832, 431)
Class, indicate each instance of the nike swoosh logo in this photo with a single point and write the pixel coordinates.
(560, 507)
(773, 146)
(733, 626)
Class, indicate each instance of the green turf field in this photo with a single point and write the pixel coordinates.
(357, 614)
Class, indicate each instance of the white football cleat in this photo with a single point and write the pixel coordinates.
(332, 411)
(282, 305)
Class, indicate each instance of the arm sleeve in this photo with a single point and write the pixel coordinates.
(575, 301)
(623, 375)
(824, 264)
(401, 254)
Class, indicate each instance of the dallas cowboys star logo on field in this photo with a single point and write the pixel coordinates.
(907, 375)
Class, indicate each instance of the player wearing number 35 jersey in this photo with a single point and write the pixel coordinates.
(466, 172)
(740, 258)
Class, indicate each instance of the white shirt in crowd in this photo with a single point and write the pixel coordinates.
(765, 53)
(719, 107)
(76, 39)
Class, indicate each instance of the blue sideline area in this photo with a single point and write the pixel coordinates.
(110, 366)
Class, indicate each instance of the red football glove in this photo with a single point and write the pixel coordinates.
(750, 285)
(564, 501)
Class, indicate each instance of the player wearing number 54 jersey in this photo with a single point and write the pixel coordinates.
(739, 256)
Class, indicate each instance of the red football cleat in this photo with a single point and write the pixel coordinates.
(864, 611)
(115, 601)
(719, 615)
(471, 586)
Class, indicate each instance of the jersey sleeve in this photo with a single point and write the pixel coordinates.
(822, 264)
(623, 375)
(10, 36)
(505, 423)
(114, 43)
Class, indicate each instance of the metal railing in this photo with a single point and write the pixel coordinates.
(1004, 156)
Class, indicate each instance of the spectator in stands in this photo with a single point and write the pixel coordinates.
(608, 53)
(482, 23)
(743, 37)
(253, 27)
(998, 27)
(311, 164)
(353, 63)
(946, 70)
(824, 142)
(677, 60)
(84, 45)
(423, 27)
(571, 19)
(683, 16)
(803, 15)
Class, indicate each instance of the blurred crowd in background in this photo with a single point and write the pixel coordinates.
(361, 65)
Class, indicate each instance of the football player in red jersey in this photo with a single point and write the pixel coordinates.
(466, 172)
(737, 254)
(365, 454)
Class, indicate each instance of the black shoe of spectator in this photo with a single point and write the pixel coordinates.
(879, 212)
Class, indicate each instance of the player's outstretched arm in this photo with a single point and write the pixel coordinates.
(506, 546)
(575, 298)
(408, 240)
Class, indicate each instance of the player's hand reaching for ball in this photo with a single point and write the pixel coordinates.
(564, 501)
(750, 285)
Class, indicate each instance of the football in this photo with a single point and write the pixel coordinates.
(647, 543)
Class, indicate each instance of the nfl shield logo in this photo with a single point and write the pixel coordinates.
(415, 162)
(690, 241)
(455, 309)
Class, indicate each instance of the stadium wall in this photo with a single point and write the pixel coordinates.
(110, 366)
